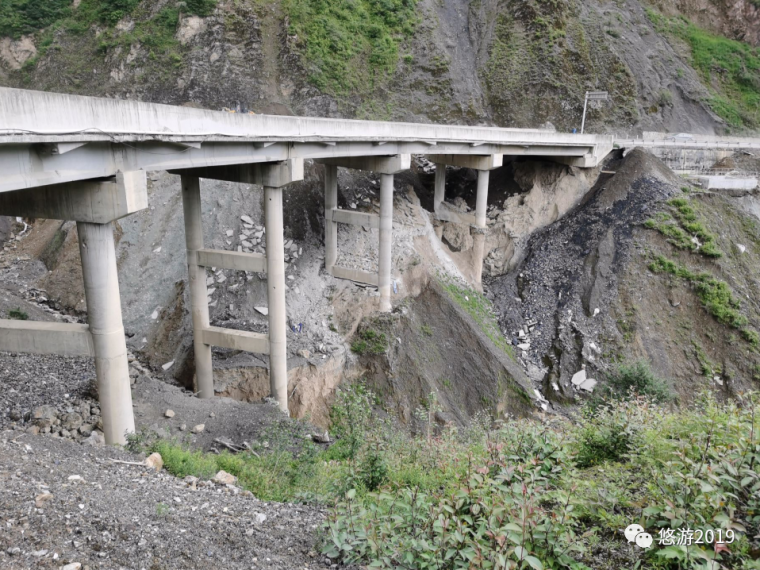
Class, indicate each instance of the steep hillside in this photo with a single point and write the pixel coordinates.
(505, 62)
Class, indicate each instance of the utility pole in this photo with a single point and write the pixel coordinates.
(592, 96)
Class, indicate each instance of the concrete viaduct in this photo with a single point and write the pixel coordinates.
(85, 159)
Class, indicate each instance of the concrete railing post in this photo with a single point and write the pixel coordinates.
(440, 186)
(481, 203)
(331, 228)
(191, 203)
(101, 288)
(278, 356)
(386, 242)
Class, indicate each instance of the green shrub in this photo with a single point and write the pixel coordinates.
(21, 17)
(18, 315)
(370, 342)
(751, 336)
(637, 377)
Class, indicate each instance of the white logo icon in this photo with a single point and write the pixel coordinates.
(644, 539)
(635, 533)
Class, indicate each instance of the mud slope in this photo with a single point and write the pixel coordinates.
(586, 296)
(436, 346)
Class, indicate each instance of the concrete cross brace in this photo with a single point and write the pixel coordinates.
(354, 218)
(236, 340)
(477, 162)
(380, 164)
(94, 201)
(33, 337)
(272, 174)
(235, 260)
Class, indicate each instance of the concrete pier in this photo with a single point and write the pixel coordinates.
(191, 204)
(440, 186)
(331, 225)
(278, 357)
(481, 203)
(101, 288)
(386, 242)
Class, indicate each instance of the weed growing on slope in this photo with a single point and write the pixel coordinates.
(680, 225)
(480, 309)
(18, 315)
(370, 342)
(714, 294)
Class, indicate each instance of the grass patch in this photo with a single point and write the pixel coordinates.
(680, 225)
(730, 68)
(18, 315)
(715, 295)
(481, 310)
(348, 46)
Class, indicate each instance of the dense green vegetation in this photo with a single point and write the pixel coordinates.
(350, 45)
(729, 67)
(154, 30)
(518, 494)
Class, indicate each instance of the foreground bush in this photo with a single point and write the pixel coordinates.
(518, 494)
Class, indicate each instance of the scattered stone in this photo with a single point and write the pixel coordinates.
(72, 566)
(96, 439)
(304, 353)
(199, 428)
(321, 437)
(154, 461)
(40, 500)
(246, 219)
(212, 415)
(76, 479)
(85, 430)
(263, 310)
(588, 385)
(71, 421)
(183, 427)
(44, 416)
(579, 378)
(741, 248)
(169, 413)
(167, 365)
(260, 518)
(524, 346)
(224, 478)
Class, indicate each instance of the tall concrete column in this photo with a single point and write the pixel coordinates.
(386, 242)
(278, 356)
(191, 203)
(101, 289)
(440, 185)
(331, 228)
(481, 203)
(478, 252)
